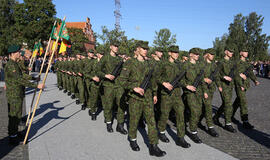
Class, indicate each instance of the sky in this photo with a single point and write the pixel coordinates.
(196, 23)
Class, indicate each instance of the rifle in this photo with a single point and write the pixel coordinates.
(212, 76)
(117, 69)
(146, 81)
(231, 74)
(246, 73)
(175, 82)
(198, 79)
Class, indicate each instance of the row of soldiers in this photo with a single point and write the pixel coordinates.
(149, 89)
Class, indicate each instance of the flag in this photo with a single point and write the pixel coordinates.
(63, 47)
(54, 33)
(63, 31)
(35, 50)
(41, 51)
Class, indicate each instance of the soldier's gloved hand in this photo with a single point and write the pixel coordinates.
(243, 76)
(220, 89)
(257, 83)
(139, 91)
(96, 79)
(191, 88)
(155, 99)
(167, 85)
(41, 86)
(109, 76)
(205, 95)
(207, 80)
(227, 78)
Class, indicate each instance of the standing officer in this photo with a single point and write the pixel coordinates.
(14, 83)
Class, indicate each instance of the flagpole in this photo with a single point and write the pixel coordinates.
(43, 82)
(44, 59)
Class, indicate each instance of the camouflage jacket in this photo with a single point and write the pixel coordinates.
(225, 67)
(14, 81)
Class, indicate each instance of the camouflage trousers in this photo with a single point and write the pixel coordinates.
(112, 96)
(136, 108)
(240, 101)
(59, 79)
(226, 107)
(194, 102)
(72, 84)
(79, 89)
(207, 110)
(92, 95)
(64, 79)
(167, 104)
(14, 115)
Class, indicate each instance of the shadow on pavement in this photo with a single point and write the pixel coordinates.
(47, 118)
(5, 147)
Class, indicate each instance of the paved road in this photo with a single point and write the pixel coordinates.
(62, 131)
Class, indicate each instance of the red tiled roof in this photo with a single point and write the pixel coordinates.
(79, 25)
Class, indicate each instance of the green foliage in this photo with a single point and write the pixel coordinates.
(219, 45)
(6, 24)
(77, 38)
(164, 38)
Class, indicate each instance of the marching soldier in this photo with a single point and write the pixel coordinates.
(172, 99)
(110, 88)
(141, 100)
(209, 69)
(194, 94)
(242, 83)
(15, 81)
(225, 87)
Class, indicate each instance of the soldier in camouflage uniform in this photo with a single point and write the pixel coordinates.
(244, 74)
(209, 68)
(141, 101)
(57, 67)
(225, 87)
(111, 87)
(194, 96)
(171, 98)
(14, 82)
(92, 83)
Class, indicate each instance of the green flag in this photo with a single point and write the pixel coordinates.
(63, 31)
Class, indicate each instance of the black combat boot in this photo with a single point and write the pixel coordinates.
(14, 140)
(216, 121)
(69, 93)
(65, 91)
(213, 132)
(73, 96)
(94, 117)
(247, 125)
(83, 107)
(195, 138)
(134, 146)
(120, 128)
(109, 127)
(163, 138)
(234, 120)
(154, 150)
(78, 101)
(230, 128)
(60, 88)
(182, 142)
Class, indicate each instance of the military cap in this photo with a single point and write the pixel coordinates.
(115, 43)
(159, 49)
(91, 51)
(143, 44)
(13, 48)
(210, 50)
(173, 48)
(195, 51)
(230, 48)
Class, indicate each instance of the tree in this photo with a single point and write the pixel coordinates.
(164, 38)
(219, 45)
(257, 42)
(237, 34)
(6, 24)
(77, 38)
(33, 21)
